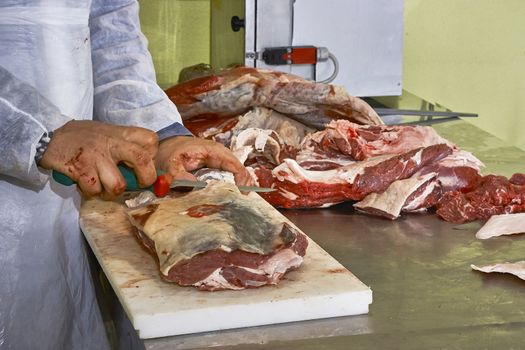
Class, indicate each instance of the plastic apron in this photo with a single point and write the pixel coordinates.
(47, 299)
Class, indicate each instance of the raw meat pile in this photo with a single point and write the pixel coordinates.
(319, 146)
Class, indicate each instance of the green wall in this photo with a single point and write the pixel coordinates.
(468, 56)
(178, 32)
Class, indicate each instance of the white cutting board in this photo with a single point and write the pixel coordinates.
(320, 288)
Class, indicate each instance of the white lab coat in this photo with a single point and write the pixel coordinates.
(60, 59)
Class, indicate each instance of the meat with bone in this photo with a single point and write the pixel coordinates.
(253, 143)
(494, 195)
(217, 238)
(364, 141)
(301, 188)
(235, 91)
(459, 171)
(408, 195)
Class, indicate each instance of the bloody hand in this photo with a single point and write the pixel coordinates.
(88, 152)
(181, 154)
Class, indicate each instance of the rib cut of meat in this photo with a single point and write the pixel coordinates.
(236, 90)
(217, 238)
(493, 195)
(460, 171)
(408, 195)
(301, 188)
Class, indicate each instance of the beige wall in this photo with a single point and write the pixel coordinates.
(469, 56)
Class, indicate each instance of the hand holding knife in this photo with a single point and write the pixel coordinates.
(161, 186)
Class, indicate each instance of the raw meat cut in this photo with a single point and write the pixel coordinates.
(408, 195)
(301, 188)
(236, 90)
(515, 268)
(216, 238)
(364, 141)
(222, 129)
(506, 224)
(459, 171)
(494, 195)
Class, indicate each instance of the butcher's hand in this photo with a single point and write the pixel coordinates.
(89, 151)
(179, 155)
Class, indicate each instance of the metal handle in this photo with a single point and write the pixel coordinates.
(392, 111)
(237, 23)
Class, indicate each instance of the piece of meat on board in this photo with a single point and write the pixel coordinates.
(216, 238)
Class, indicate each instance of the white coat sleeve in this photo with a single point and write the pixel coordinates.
(126, 91)
(25, 116)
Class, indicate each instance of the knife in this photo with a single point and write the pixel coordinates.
(132, 184)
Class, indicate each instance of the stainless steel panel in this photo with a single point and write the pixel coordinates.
(365, 36)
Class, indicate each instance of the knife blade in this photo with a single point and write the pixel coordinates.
(202, 184)
(132, 184)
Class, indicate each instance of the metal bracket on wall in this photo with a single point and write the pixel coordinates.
(427, 116)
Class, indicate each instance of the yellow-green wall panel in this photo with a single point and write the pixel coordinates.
(469, 56)
(178, 32)
(227, 46)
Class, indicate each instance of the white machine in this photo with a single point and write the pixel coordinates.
(354, 43)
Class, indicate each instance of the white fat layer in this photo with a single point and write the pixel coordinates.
(216, 281)
(141, 199)
(225, 248)
(514, 268)
(215, 175)
(255, 139)
(308, 155)
(210, 132)
(253, 175)
(417, 157)
(242, 153)
(287, 194)
(462, 158)
(505, 224)
(262, 139)
(418, 201)
(281, 262)
(391, 201)
(291, 171)
(326, 205)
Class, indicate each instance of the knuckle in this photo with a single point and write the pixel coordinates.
(151, 138)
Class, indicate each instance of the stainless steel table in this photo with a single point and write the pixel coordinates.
(425, 294)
